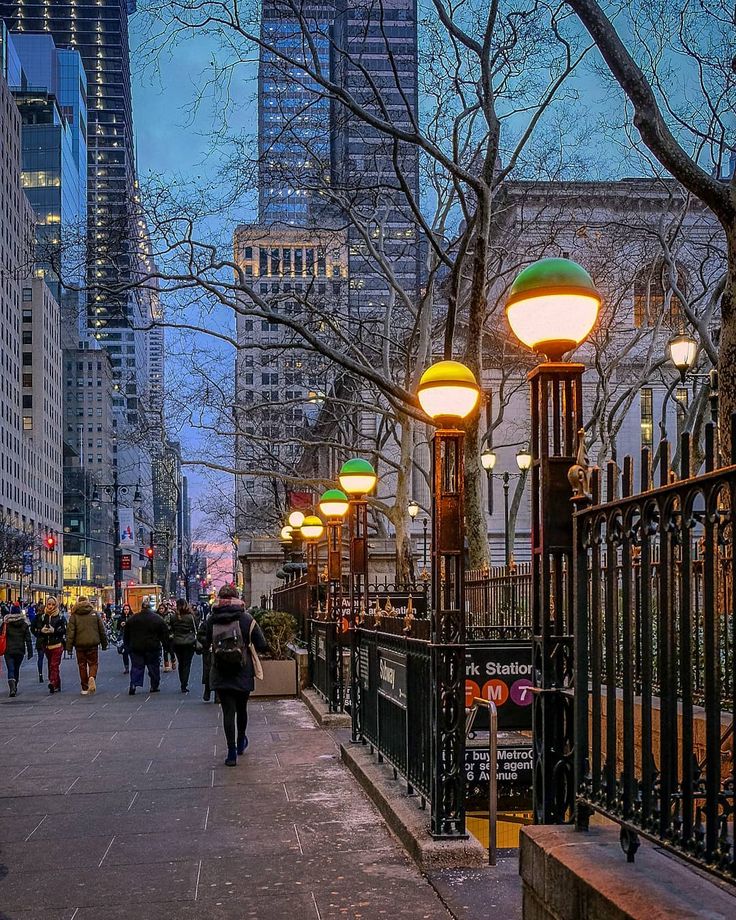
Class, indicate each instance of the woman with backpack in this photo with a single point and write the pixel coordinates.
(231, 636)
(183, 631)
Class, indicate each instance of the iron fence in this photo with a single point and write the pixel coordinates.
(655, 631)
(324, 650)
(498, 602)
(395, 678)
(297, 597)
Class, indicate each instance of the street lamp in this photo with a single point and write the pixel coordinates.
(524, 459)
(552, 307)
(312, 529)
(334, 506)
(488, 459)
(357, 478)
(286, 534)
(449, 394)
(413, 509)
(296, 519)
(113, 491)
(683, 350)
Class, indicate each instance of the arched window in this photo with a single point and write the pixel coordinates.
(654, 300)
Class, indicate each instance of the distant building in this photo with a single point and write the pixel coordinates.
(167, 493)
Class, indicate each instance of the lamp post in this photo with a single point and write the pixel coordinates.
(552, 307)
(334, 506)
(488, 462)
(357, 479)
(312, 529)
(683, 353)
(112, 492)
(449, 394)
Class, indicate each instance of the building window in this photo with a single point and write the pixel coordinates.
(27, 337)
(27, 401)
(27, 295)
(27, 423)
(647, 417)
(654, 300)
(28, 380)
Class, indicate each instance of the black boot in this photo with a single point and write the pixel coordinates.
(13, 685)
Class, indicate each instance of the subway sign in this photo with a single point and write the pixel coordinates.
(501, 672)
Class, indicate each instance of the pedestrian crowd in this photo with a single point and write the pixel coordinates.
(226, 636)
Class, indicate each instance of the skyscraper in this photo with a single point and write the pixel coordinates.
(375, 60)
(99, 32)
(293, 112)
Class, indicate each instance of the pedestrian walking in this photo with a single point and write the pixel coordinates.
(230, 636)
(120, 620)
(18, 642)
(145, 633)
(164, 611)
(86, 633)
(50, 628)
(206, 657)
(183, 633)
(32, 613)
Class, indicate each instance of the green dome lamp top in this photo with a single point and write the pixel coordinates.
(357, 477)
(552, 306)
(334, 503)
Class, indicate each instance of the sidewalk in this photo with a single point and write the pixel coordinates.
(121, 807)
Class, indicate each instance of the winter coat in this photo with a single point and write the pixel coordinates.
(239, 678)
(183, 630)
(85, 629)
(145, 632)
(18, 635)
(49, 640)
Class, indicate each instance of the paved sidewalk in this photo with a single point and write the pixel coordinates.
(121, 807)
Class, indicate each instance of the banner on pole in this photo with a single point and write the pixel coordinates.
(126, 531)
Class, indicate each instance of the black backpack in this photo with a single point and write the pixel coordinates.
(228, 647)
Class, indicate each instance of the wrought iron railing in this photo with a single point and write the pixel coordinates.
(296, 597)
(498, 602)
(395, 700)
(324, 662)
(655, 628)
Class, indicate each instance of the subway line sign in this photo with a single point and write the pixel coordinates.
(501, 672)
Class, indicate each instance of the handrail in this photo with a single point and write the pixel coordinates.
(492, 774)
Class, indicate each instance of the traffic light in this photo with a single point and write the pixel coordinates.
(150, 552)
(50, 542)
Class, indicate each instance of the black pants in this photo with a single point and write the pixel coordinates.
(12, 666)
(184, 655)
(234, 707)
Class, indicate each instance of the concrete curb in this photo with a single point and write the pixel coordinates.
(320, 712)
(404, 817)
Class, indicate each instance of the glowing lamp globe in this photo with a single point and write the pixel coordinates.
(312, 528)
(524, 460)
(552, 306)
(357, 477)
(334, 503)
(413, 509)
(488, 459)
(286, 534)
(448, 390)
(296, 519)
(683, 350)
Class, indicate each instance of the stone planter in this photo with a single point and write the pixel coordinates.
(279, 678)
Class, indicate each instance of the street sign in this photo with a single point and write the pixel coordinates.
(28, 563)
(502, 672)
(513, 773)
(126, 561)
(392, 676)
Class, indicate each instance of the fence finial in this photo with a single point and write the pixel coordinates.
(579, 473)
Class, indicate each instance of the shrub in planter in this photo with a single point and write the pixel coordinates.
(280, 629)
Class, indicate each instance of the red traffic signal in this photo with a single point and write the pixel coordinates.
(150, 552)
(50, 542)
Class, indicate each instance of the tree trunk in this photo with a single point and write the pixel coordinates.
(476, 526)
(404, 549)
(727, 351)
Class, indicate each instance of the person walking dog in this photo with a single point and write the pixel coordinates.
(86, 633)
(231, 635)
(145, 633)
(50, 629)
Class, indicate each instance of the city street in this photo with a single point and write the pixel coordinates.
(123, 804)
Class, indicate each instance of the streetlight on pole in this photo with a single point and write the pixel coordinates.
(357, 479)
(449, 394)
(488, 462)
(552, 307)
(334, 506)
(112, 492)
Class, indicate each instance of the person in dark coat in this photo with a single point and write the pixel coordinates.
(233, 683)
(18, 642)
(183, 632)
(50, 628)
(144, 634)
(206, 658)
(120, 620)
